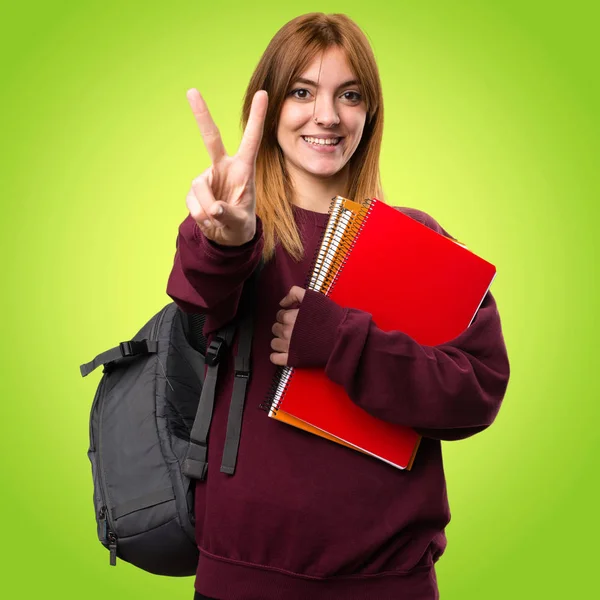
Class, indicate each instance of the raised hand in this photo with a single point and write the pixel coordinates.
(222, 200)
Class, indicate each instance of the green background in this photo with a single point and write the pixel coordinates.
(491, 113)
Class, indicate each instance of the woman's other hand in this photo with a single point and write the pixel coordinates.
(222, 200)
(284, 326)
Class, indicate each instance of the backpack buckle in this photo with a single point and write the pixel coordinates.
(133, 347)
(215, 351)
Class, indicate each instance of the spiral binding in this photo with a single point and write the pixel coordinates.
(356, 226)
(328, 254)
(346, 221)
(277, 390)
(335, 211)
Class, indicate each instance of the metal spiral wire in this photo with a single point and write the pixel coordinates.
(346, 220)
(357, 226)
(320, 255)
(277, 390)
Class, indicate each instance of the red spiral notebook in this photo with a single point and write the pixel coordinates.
(409, 278)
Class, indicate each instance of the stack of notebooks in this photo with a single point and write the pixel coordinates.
(409, 278)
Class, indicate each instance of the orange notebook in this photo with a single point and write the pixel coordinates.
(409, 278)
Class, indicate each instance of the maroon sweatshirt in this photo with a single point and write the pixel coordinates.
(304, 517)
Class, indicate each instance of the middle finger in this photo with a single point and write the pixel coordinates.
(208, 128)
(278, 330)
(287, 317)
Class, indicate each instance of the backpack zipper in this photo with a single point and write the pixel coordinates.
(110, 536)
(94, 403)
(103, 515)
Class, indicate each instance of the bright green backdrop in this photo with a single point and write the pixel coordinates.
(491, 127)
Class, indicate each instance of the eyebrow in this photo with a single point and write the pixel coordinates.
(311, 82)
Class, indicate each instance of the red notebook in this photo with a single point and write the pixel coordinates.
(409, 278)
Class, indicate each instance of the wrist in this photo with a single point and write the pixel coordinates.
(254, 238)
(315, 330)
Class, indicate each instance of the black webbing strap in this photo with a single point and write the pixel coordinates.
(238, 396)
(195, 465)
(242, 374)
(124, 349)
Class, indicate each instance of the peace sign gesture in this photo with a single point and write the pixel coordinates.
(222, 200)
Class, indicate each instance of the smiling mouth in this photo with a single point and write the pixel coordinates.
(321, 141)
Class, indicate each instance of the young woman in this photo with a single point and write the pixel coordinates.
(303, 517)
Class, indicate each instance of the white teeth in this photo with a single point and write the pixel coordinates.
(322, 142)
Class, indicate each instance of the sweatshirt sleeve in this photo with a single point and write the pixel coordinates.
(207, 277)
(447, 392)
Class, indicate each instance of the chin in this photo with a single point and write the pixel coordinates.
(323, 172)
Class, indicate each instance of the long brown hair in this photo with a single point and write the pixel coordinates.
(289, 53)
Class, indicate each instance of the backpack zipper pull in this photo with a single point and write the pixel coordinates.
(109, 536)
(112, 546)
(103, 522)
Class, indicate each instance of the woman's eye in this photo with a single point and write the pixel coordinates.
(299, 90)
(357, 97)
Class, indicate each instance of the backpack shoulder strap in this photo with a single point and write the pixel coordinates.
(195, 465)
(242, 374)
(238, 396)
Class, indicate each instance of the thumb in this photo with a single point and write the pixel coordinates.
(226, 214)
(295, 295)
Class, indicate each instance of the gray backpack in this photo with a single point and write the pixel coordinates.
(149, 426)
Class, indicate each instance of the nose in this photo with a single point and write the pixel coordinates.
(325, 112)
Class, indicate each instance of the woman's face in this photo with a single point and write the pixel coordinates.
(311, 117)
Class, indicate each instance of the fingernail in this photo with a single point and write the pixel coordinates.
(207, 223)
(218, 211)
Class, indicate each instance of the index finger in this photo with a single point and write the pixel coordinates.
(208, 129)
(254, 128)
(287, 317)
